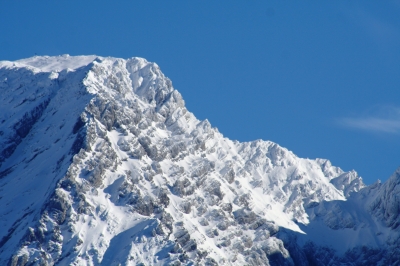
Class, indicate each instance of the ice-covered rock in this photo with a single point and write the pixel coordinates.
(102, 164)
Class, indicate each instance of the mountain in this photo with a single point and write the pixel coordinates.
(102, 164)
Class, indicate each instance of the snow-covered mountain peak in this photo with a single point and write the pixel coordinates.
(109, 167)
(57, 63)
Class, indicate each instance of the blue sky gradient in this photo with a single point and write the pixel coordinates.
(321, 78)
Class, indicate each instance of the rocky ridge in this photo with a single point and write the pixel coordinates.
(102, 164)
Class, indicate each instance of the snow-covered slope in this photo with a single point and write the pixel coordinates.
(102, 164)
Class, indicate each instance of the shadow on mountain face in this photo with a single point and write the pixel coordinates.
(352, 233)
(118, 251)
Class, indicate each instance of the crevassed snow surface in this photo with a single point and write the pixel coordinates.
(102, 164)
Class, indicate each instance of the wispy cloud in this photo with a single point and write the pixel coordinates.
(378, 28)
(382, 119)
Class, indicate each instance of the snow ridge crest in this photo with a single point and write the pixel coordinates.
(128, 175)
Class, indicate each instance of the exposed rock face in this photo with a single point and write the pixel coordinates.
(102, 164)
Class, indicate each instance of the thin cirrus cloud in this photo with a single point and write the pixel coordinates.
(385, 120)
(383, 33)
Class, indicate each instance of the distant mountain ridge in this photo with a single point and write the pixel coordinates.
(102, 164)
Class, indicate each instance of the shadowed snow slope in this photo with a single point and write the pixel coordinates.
(102, 164)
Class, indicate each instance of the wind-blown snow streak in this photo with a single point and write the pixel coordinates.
(102, 164)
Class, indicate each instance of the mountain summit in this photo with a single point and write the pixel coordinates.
(102, 164)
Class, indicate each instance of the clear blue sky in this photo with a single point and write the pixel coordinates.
(321, 78)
